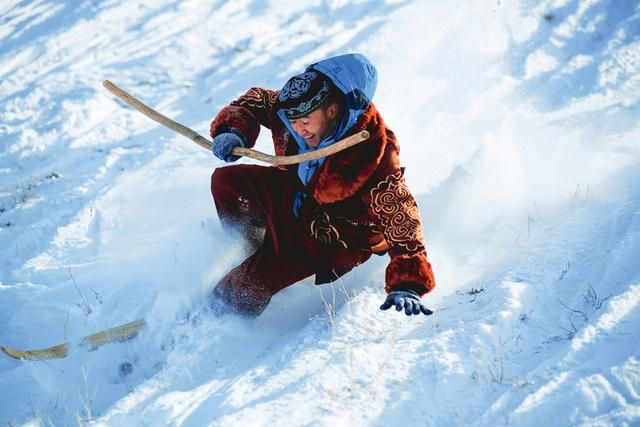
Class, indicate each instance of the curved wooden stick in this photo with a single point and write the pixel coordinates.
(247, 152)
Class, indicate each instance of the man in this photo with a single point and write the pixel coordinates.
(325, 216)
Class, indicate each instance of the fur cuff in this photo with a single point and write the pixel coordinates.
(412, 268)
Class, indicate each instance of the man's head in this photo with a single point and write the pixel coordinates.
(312, 104)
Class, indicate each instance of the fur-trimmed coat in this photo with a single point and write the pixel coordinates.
(358, 197)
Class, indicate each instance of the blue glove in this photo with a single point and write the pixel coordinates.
(409, 300)
(224, 143)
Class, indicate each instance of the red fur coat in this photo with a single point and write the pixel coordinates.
(359, 196)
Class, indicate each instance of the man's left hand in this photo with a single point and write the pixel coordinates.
(407, 300)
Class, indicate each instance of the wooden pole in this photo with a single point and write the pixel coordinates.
(239, 151)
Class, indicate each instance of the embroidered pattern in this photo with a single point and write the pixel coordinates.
(397, 211)
(322, 230)
(260, 101)
(304, 108)
(298, 85)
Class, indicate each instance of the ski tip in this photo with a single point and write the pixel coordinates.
(56, 352)
(93, 341)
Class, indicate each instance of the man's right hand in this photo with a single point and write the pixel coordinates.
(224, 143)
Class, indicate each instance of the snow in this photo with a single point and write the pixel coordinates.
(519, 126)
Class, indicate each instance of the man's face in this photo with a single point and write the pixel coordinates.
(314, 126)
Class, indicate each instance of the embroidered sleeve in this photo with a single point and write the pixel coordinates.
(260, 102)
(397, 217)
(397, 213)
(246, 114)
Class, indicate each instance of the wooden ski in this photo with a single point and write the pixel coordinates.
(91, 342)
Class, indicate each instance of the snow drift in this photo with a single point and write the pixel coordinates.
(519, 127)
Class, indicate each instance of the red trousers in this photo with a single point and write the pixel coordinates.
(249, 196)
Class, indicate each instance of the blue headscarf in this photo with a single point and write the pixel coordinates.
(357, 79)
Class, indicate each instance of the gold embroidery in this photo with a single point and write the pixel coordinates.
(256, 98)
(395, 207)
(322, 230)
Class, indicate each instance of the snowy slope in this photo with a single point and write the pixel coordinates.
(519, 122)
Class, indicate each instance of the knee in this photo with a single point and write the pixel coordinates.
(227, 183)
(220, 181)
